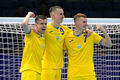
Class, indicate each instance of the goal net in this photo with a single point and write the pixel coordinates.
(106, 60)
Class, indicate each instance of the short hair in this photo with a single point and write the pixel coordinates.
(78, 15)
(54, 8)
(40, 17)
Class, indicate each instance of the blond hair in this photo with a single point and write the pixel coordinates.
(78, 15)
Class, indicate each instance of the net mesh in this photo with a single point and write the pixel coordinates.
(106, 60)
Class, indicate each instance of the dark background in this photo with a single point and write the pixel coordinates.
(92, 8)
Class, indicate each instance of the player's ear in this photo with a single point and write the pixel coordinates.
(35, 24)
(52, 15)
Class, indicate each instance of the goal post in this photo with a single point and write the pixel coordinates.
(106, 60)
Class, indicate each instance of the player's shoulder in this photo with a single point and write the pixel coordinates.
(65, 27)
(70, 34)
(31, 33)
(49, 25)
(94, 33)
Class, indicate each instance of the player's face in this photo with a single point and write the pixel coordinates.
(59, 15)
(81, 23)
(41, 25)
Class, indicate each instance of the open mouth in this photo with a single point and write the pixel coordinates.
(43, 29)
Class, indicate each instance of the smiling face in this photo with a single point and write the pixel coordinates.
(81, 23)
(57, 14)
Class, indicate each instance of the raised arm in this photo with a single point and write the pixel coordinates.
(26, 21)
(107, 40)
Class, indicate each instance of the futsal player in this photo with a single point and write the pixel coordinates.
(80, 49)
(31, 64)
(55, 33)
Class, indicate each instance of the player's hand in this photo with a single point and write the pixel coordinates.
(88, 32)
(31, 14)
(100, 27)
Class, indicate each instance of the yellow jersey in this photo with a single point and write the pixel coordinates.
(80, 54)
(33, 52)
(54, 40)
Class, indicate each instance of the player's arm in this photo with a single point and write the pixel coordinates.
(107, 40)
(65, 51)
(25, 22)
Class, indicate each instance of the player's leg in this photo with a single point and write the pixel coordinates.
(29, 74)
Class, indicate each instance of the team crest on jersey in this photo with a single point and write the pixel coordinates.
(57, 37)
(42, 45)
(61, 30)
(79, 46)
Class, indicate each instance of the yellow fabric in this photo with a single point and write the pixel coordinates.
(80, 54)
(33, 52)
(30, 75)
(54, 39)
(83, 78)
(52, 74)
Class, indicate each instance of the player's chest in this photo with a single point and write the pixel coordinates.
(78, 43)
(56, 35)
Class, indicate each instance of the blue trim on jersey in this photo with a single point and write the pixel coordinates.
(70, 40)
(50, 31)
(40, 36)
(27, 28)
(101, 41)
(55, 27)
(78, 35)
(28, 32)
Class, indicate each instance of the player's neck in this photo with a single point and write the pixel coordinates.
(55, 24)
(36, 31)
(78, 31)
